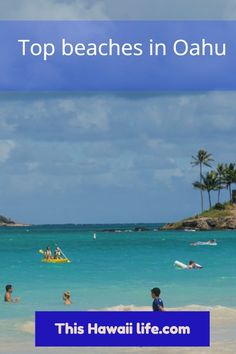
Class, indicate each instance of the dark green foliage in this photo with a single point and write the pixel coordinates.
(4, 220)
(219, 206)
(224, 176)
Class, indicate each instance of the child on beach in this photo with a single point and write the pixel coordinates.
(8, 294)
(157, 304)
(67, 298)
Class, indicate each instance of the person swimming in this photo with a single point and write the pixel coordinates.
(193, 265)
(204, 243)
(67, 298)
(8, 294)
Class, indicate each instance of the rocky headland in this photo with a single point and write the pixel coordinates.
(220, 217)
(7, 222)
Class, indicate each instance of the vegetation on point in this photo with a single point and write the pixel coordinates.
(4, 220)
(218, 210)
(222, 177)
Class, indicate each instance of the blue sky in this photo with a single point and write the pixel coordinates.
(109, 158)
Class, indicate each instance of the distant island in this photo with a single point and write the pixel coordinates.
(4, 221)
(219, 217)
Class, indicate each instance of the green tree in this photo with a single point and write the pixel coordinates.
(210, 182)
(199, 185)
(230, 177)
(203, 158)
(220, 170)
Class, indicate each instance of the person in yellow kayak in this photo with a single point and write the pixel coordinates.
(48, 253)
(57, 253)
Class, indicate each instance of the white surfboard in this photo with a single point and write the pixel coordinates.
(181, 265)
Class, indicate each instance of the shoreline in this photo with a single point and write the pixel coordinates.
(218, 218)
(220, 315)
(15, 225)
(223, 341)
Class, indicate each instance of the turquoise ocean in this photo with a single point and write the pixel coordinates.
(119, 267)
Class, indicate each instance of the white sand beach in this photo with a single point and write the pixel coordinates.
(223, 339)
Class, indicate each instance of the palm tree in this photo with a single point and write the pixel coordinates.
(203, 158)
(210, 182)
(201, 187)
(230, 177)
(220, 170)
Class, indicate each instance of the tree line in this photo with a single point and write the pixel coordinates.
(223, 176)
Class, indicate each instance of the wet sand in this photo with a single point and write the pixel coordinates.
(223, 338)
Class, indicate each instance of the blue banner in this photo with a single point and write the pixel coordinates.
(117, 55)
(122, 329)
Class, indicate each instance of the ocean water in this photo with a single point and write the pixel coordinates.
(116, 268)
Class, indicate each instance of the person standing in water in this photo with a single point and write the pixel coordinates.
(157, 304)
(8, 294)
(67, 298)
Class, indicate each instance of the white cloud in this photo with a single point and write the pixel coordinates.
(230, 9)
(113, 9)
(159, 144)
(52, 9)
(94, 117)
(76, 147)
(165, 176)
(6, 147)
